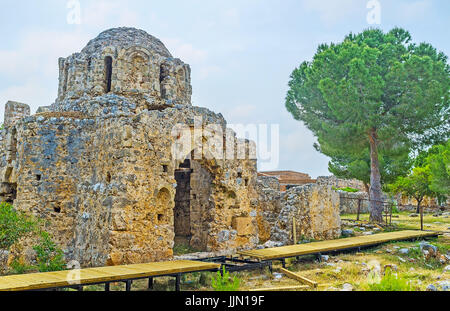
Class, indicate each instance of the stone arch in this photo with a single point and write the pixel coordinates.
(137, 75)
(194, 201)
(163, 205)
(167, 83)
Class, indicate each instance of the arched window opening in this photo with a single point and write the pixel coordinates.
(108, 73)
(66, 78)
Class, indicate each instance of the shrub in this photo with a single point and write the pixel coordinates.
(13, 225)
(205, 279)
(224, 282)
(49, 256)
(391, 282)
(346, 189)
(18, 267)
(394, 208)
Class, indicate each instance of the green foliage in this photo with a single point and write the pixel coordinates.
(225, 283)
(391, 282)
(182, 249)
(416, 185)
(205, 279)
(393, 164)
(393, 206)
(374, 91)
(439, 167)
(19, 267)
(346, 189)
(13, 225)
(49, 256)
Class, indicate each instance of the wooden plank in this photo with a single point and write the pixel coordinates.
(332, 245)
(298, 277)
(87, 276)
(280, 289)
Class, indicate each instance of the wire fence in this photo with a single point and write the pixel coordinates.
(387, 209)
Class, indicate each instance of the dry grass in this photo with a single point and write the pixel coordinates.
(403, 221)
(353, 268)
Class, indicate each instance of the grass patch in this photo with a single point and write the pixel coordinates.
(391, 282)
(182, 249)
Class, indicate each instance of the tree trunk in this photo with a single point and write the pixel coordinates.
(376, 205)
(418, 206)
(366, 187)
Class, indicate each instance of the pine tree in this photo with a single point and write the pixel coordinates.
(375, 91)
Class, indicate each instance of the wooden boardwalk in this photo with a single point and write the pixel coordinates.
(334, 245)
(60, 279)
(128, 273)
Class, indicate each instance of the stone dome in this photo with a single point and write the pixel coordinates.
(124, 62)
(125, 37)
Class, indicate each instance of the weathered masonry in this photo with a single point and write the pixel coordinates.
(98, 164)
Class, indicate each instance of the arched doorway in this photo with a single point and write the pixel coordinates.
(182, 214)
(193, 204)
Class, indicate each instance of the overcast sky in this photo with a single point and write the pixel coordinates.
(241, 52)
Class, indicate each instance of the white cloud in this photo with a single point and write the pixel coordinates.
(413, 10)
(31, 68)
(185, 51)
(34, 93)
(197, 58)
(38, 53)
(241, 111)
(108, 13)
(231, 17)
(332, 11)
(207, 71)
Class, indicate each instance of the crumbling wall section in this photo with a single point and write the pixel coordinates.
(349, 202)
(269, 206)
(107, 186)
(316, 211)
(340, 183)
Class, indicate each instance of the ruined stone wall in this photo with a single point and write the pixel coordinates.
(340, 183)
(14, 112)
(107, 186)
(349, 202)
(410, 204)
(269, 206)
(315, 208)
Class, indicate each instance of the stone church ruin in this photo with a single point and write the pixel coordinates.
(98, 164)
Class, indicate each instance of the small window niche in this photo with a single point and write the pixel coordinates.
(108, 73)
(160, 218)
(165, 168)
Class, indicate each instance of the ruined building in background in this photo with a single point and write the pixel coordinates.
(289, 179)
(98, 165)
